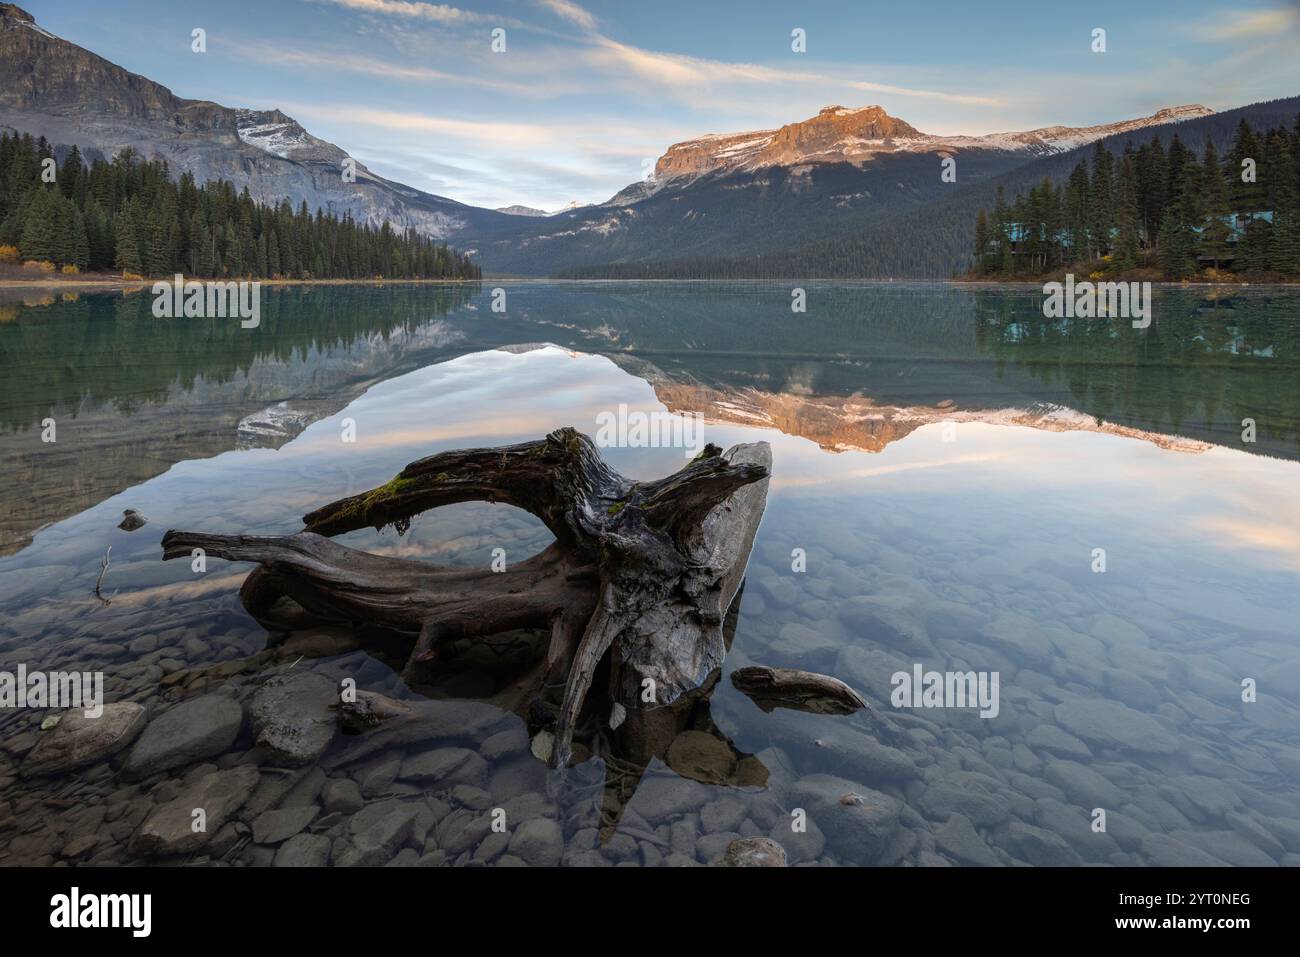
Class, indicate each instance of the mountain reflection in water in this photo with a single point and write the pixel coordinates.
(946, 460)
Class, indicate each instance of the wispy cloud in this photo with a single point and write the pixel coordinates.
(434, 12)
(332, 59)
(1237, 25)
(583, 95)
(517, 135)
(567, 10)
(486, 132)
(680, 74)
(688, 73)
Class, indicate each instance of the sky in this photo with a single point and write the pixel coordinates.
(585, 96)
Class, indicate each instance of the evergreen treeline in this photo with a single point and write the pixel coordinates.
(1152, 206)
(130, 215)
(933, 241)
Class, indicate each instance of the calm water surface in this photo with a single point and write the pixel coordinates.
(948, 461)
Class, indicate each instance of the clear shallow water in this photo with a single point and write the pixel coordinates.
(947, 460)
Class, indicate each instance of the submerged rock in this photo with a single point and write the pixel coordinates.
(1035, 845)
(191, 731)
(292, 718)
(1112, 725)
(539, 842)
(857, 820)
(1050, 738)
(78, 740)
(272, 827)
(1083, 785)
(444, 767)
(859, 754)
(1165, 851)
(661, 796)
(343, 795)
(753, 852)
(958, 837)
(375, 833)
(303, 850)
(131, 520)
(170, 829)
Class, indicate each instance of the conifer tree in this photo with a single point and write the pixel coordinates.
(981, 242)
(1216, 229)
(1127, 214)
(127, 248)
(1101, 202)
(1284, 249)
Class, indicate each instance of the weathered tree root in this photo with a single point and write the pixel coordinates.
(771, 688)
(641, 574)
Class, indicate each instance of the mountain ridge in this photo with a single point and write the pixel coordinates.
(759, 194)
(855, 134)
(891, 247)
(54, 88)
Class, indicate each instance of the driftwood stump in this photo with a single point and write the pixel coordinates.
(640, 575)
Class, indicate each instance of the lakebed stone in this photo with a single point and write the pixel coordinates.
(292, 718)
(78, 740)
(304, 850)
(444, 767)
(1112, 725)
(170, 828)
(958, 837)
(272, 827)
(539, 842)
(858, 821)
(343, 794)
(189, 732)
(375, 833)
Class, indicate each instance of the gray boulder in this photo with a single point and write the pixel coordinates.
(304, 850)
(186, 734)
(858, 822)
(444, 767)
(77, 740)
(958, 837)
(375, 833)
(539, 842)
(292, 719)
(173, 828)
(272, 827)
(753, 852)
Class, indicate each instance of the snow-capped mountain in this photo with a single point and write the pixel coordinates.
(840, 134)
(751, 194)
(53, 88)
(531, 211)
(760, 193)
(521, 211)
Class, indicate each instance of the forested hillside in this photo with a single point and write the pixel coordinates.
(1152, 207)
(130, 215)
(936, 240)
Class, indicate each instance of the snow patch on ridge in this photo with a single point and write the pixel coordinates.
(277, 138)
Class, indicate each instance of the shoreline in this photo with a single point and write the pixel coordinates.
(113, 284)
(110, 283)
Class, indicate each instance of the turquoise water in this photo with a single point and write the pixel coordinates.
(948, 461)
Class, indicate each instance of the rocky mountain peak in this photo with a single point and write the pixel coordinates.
(11, 11)
(837, 133)
(1171, 114)
(841, 134)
